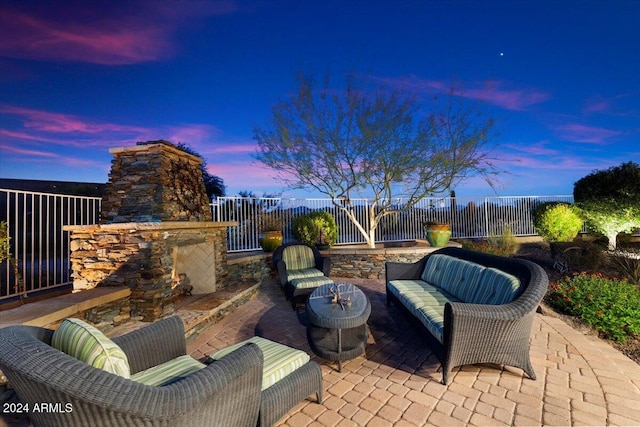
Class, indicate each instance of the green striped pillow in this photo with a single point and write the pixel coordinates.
(279, 359)
(168, 372)
(298, 257)
(87, 344)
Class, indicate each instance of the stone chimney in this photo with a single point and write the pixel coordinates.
(156, 233)
(154, 181)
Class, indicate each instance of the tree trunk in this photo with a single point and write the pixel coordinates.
(612, 240)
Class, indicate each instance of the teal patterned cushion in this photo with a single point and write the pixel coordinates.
(435, 268)
(168, 372)
(86, 343)
(298, 257)
(424, 301)
(458, 277)
(279, 360)
(496, 287)
(310, 282)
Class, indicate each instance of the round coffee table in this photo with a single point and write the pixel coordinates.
(338, 331)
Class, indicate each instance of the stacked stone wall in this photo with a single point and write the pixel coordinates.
(368, 266)
(140, 258)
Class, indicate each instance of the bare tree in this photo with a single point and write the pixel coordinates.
(379, 143)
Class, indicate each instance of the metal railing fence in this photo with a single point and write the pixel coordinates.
(469, 217)
(41, 247)
(38, 243)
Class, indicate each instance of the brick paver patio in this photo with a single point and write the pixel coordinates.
(581, 379)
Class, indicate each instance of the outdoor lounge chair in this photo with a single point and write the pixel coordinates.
(165, 387)
(301, 269)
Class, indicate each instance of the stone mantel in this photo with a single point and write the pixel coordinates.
(151, 226)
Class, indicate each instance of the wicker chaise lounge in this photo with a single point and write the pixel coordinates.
(224, 393)
(491, 326)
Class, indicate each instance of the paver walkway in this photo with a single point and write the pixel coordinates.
(581, 380)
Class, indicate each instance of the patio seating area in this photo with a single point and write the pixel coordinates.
(581, 380)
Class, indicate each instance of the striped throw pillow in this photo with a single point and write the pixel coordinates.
(87, 344)
(168, 372)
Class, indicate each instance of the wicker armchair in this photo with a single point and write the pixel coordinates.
(301, 269)
(482, 333)
(227, 392)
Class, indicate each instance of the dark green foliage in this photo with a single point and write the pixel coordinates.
(557, 222)
(627, 264)
(578, 255)
(610, 200)
(611, 306)
(315, 228)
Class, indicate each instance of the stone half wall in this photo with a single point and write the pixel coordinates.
(360, 262)
(141, 256)
(154, 181)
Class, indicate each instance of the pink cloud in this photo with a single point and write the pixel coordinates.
(192, 134)
(612, 105)
(534, 149)
(115, 35)
(509, 99)
(35, 38)
(588, 134)
(75, 131)
(493, 92)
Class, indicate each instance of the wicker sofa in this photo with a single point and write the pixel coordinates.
(474, 307)
(228, 391)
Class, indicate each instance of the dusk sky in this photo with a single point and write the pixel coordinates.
(561, 79)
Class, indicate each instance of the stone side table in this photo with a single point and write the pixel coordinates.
(338, 331)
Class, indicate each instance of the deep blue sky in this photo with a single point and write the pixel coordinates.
(561, 78)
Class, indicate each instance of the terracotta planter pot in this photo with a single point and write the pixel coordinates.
(438, 235)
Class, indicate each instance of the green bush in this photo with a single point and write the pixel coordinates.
(504, 244)
(315, 228)
(612, 306)
(557, 222)
(627, 264)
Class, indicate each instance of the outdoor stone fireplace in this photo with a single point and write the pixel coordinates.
(156, 235)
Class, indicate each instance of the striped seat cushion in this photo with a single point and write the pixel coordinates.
(496, 287)
(424, 301)
(303, 274)
(310, 282)
(458, 277)
(298, 257)
(279, 360)
(168, 372)
(86, 343)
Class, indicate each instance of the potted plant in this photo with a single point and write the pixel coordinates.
(438, 234)
(5, 256)
(270, 237)
(323, 240)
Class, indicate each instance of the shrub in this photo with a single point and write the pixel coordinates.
(610, 200)
(314, 227)
(504, 244)
(627, 264)
(557, 222)
(578, 255)
(612, 306)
